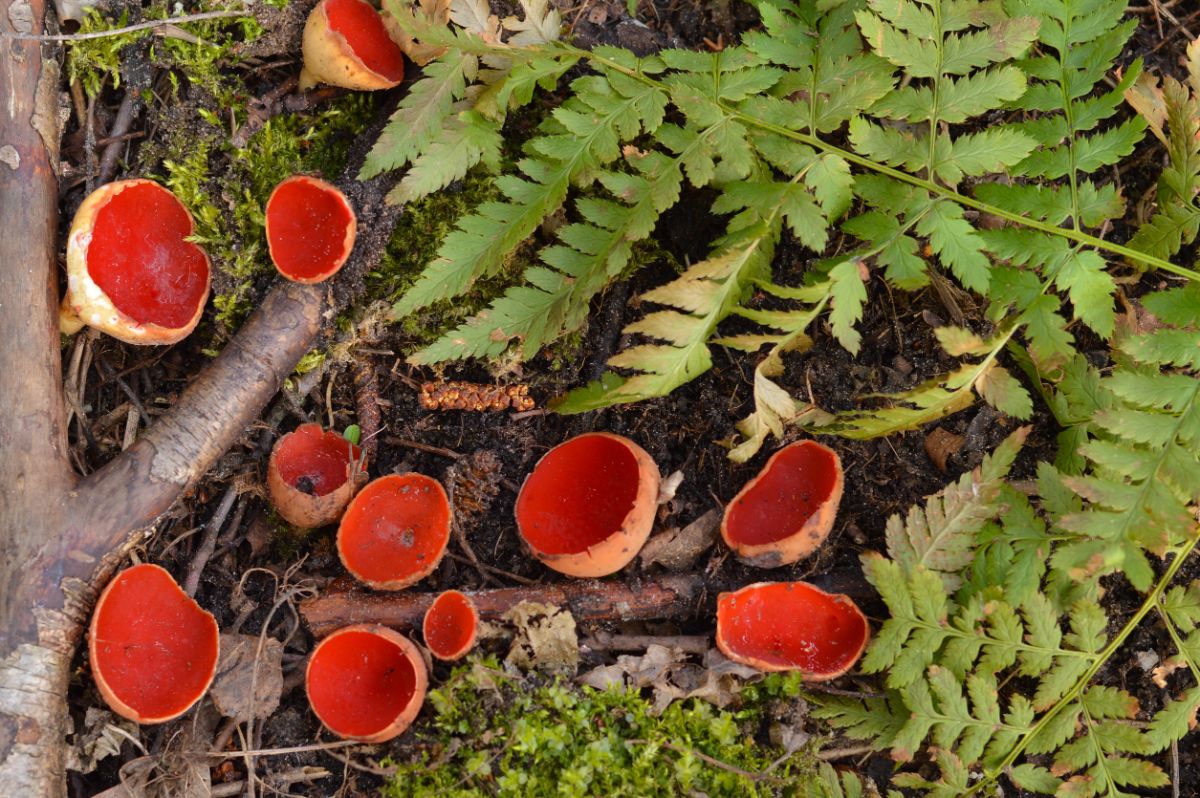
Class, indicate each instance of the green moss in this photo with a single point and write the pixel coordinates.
(495, 735)
(226, 187)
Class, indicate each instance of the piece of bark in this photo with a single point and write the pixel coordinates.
(587, 599)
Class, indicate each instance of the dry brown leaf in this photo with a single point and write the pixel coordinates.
(545, 638)
(241, 665)
(542, 24)
(941, 444)
(678, 549)
(671, 677)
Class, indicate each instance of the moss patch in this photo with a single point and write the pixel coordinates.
(495, 735)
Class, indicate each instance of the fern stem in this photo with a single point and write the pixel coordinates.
(1102, 658)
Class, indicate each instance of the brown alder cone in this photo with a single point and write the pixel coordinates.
(473, 396)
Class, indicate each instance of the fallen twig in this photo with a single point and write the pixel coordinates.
(589, 600)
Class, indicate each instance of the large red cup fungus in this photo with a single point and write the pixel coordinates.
(346, 44)
(153, 649)
(588, 506)
(130, 270)
(783, 626)
(450, 625)
(366, 683)
(786, 512)
(395, 531)
(310, 229)
(312, 475)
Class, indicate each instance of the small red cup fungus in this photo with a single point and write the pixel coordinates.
(152, 648)
(346, 44)
(310, 229)
(395, 531)
(313, 474)
(450, 625)
(130, 270)
(783, 514)
(588, 506)
(366, 683)
(783, 626)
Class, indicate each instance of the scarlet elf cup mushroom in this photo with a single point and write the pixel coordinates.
(131, 272)
(153, 650)
(346, 44)
(450, 625)
(310, 229)
(588, 506)
(395, 531)
(785, 513)
(782, 626)
(312, 474)
(366, 683)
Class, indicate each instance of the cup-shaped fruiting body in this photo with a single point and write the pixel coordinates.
(366, 683)
(588, 506)
(346, 44)
(310, 229)
(450, 625)
(395, 531)
(130, 270)
(784, 626)
(783, 514)
(312, 475)
(152, 648)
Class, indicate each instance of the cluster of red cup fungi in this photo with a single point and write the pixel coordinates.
(585, 510)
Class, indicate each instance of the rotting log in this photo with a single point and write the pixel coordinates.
(674, 596)
(63, 535)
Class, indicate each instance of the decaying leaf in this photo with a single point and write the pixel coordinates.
(941, 444)
(545, 638)
(542, 24)
(101, 737)
(477, 17)
(678, 549)
(1146, 97)
(242, 668)
(671, 677)
(433, 12)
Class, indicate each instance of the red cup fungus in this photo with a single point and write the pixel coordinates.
(783, 626)
(310, 229)
(152, 648)
(589, 504)
(346, 44)
(783, 514)
(366, 683)
(130, 270)
(312, 475)
(395, 531)
(450, 625)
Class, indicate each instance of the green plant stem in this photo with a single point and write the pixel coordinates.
(1150, 603)
(101, 34)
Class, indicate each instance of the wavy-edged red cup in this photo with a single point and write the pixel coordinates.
(366, 683)
(153, 649)
(312, 475)
(791, 626)
(589, 504)
(310, 229)
(346, 44)
(786, 512)
(450, 626)
(131, 272)
(395, 531)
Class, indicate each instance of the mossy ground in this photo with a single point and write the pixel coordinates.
(493, 734)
